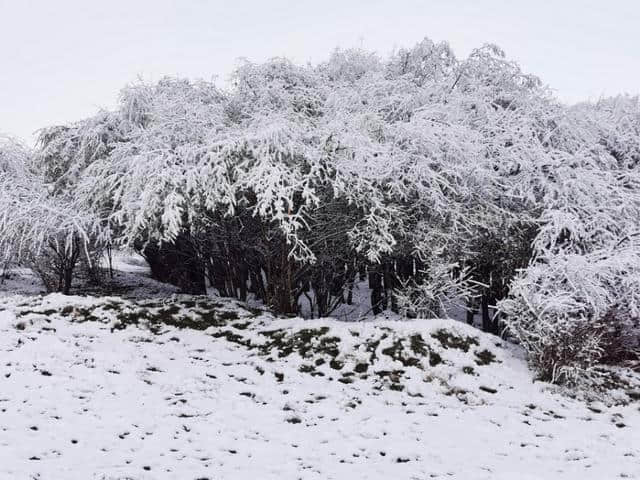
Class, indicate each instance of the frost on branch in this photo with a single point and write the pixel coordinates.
(46, 232)
(577, 311)
(301, 185)
(576, 305)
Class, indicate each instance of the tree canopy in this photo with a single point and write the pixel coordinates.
(440, 179)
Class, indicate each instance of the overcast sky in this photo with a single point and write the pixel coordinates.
(62, 60)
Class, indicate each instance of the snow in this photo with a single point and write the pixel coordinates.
(417, 167)
(131, 275)
(87, 400)
(20, 280)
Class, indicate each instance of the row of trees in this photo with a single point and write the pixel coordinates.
(434, 179)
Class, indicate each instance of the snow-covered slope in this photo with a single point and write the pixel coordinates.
(204, 388)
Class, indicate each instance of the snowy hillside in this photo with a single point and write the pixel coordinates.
(410, 265)
(196, 387)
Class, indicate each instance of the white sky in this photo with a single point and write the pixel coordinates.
(62, 60)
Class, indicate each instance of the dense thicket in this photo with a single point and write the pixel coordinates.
(435, 180)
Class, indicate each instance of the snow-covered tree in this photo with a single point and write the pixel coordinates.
(438, 179)
(576, 305)
(45, 231)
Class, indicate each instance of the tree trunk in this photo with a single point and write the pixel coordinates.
(470, 317)
(486, 319)
(375, 284)
(68, 278)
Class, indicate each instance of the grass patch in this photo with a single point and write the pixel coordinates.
(485, 357)
(449, 340)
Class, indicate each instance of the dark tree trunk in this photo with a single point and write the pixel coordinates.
(242, 281)
(279, 286)
(375, 284)
(391, 283)
(471, 312)
(68, 278)
(216, 275)
(470, 317)
(257, 283)
(486, 319)
(351, 279)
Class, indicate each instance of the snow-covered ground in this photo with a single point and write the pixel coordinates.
(204, 388)
(20, 281)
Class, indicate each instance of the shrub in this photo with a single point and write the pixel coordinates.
(574, 312)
